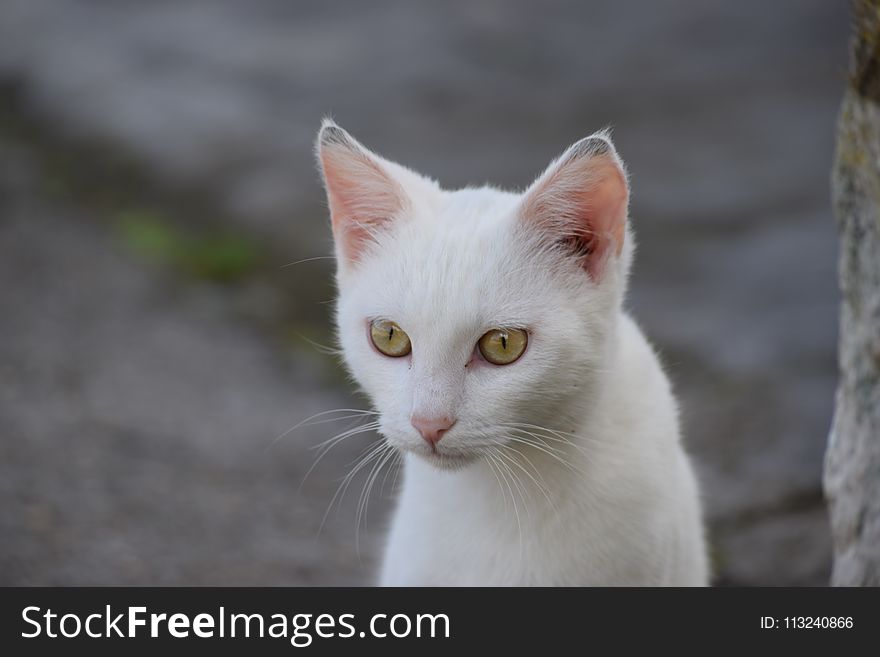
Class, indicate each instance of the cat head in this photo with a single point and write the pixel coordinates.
(472, 317)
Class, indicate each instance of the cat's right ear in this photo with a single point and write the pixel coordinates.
(362, 191)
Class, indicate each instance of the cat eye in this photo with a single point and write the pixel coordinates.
(503, 346)
(389, 338)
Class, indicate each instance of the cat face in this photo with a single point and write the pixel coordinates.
(472, 317)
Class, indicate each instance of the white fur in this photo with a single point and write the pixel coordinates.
(605, 494)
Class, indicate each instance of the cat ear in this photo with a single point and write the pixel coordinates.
(581, 202)
(362, 191)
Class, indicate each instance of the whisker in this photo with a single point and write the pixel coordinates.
(321, 348)
(566, 437)
(490, 463)
(542, 447)
(373, 452)
(541, 487)
(612, 452)
(400, 466)
(369, 425)
(505, 472)
(536, 427)
(552, 448)
(308, 421)
(327, 445)
(299, 262)
(394, 466)
(364, 502)
(520, 486)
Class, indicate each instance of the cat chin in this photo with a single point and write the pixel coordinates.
(448, 462)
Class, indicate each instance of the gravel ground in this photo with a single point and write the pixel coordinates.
(138, 403)
(139, 421)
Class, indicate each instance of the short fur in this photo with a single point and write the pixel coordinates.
(564, 467)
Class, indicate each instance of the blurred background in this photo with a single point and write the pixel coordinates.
(156, 176)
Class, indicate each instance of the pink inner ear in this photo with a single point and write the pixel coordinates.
(361, 195)
(583, 202)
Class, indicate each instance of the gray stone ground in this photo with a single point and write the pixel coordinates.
(138, 403)
(138, 422)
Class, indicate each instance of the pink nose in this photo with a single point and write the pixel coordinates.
(432, 428)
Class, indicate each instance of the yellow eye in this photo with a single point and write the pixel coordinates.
(389, 338)
(503, 346)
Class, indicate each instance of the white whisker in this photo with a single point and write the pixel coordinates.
(372, 453)
(327, 445)
(507, 475)
(541, 487)
(299, 262)
(364, 500)
(356, 412)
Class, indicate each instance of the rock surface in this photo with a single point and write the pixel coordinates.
(852, 473)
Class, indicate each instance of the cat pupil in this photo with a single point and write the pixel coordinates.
(504, 341)
(390, 333)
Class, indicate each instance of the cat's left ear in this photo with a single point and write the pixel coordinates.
(581, 203)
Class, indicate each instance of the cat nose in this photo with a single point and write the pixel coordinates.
(432, 428)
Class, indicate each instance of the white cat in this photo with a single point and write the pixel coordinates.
(539, 433)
